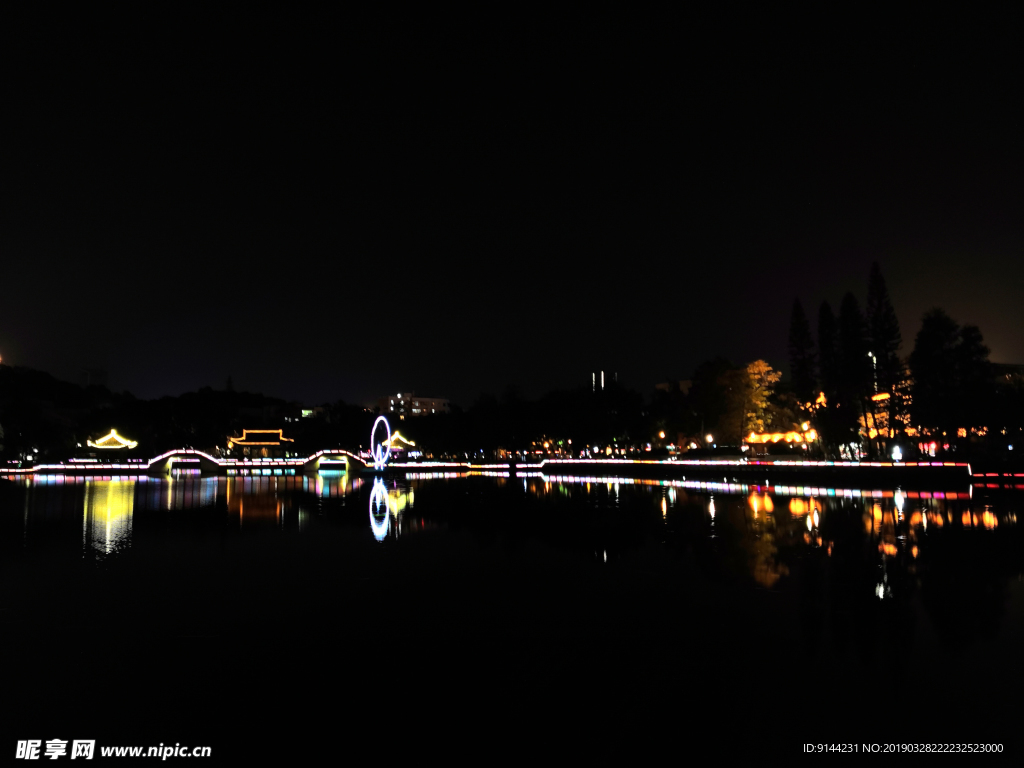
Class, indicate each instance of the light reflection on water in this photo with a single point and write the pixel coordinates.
(107, 515)
(763, 521)
(768, 530)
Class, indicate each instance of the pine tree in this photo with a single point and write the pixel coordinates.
(883, 331)
(828, 416)
(828, 350)
(856, 382)
(802, 362)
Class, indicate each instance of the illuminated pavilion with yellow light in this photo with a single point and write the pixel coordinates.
(112, 441)
(267, 443)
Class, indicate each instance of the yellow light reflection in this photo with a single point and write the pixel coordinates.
(107, 516)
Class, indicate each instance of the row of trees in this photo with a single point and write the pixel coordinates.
(850, 380)
(858, 389)
(45, 418)
(725, 401)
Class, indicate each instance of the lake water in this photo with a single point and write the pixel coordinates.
(292, 613)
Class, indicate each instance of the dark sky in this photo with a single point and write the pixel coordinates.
(325, 209)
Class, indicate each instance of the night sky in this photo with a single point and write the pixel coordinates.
(325, 212)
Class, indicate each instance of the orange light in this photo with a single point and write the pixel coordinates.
(880, 396)
(775, 437)
(261, 433)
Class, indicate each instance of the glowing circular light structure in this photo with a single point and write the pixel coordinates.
(379, 507)
(380, 455)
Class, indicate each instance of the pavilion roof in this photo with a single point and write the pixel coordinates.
(261, 437)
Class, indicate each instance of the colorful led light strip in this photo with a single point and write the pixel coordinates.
(381, 457)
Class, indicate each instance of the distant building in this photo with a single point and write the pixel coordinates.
(410, 404)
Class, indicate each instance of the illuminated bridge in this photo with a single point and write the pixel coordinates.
(201, 463)
(754, 471)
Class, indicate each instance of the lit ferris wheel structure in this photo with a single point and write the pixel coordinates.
(380, 451)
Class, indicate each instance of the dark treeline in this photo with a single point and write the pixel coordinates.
(866, 398)
(43, 418)
(851, 382)
(568, 420)
(46, 419)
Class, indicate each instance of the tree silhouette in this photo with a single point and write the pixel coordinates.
(828, 350)
(708, 397)
(885, 340)
(856, 381)
(802, 359)
(932, 365)
(974, 378)
(830, 417)
(952, 374)
(883, 331)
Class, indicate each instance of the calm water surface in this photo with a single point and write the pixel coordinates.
(205, 608)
